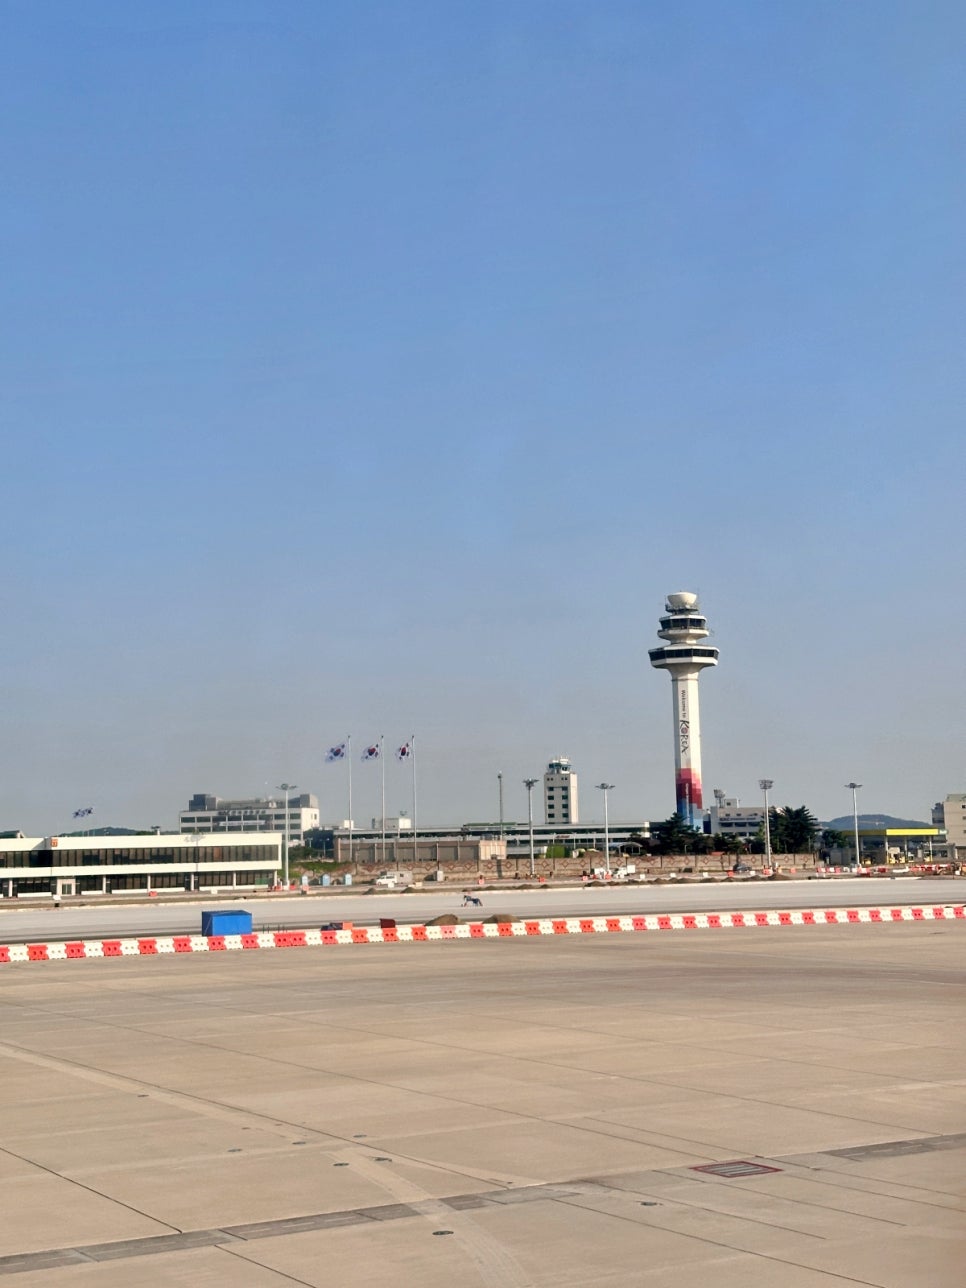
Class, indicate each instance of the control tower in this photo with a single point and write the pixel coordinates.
(685, 657)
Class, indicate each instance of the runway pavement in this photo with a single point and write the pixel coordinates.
(21, 924)
(521, 1114)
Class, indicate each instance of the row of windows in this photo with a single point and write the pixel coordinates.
(206, 820)
(126, 858)
(157, 881)
(680, 654)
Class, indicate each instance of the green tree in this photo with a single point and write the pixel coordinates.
(793, 831)
(833, 839)
(731, 844)
(674, 836)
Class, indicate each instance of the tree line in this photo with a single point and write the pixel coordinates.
(793, 830)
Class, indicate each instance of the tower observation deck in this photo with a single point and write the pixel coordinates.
(685, 656)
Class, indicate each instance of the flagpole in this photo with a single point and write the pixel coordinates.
(412, 748)
(348, 744)
(382, 757)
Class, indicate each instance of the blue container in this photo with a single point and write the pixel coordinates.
(226, 923)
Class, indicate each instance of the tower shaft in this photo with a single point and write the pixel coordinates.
(687, 748)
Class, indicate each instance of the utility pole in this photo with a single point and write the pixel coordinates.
(766, 784)
(605, 788)
(854, 787)
(286, 788)
(529, 784)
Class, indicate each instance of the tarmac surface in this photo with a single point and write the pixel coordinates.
(509, 1114)
(21, 922)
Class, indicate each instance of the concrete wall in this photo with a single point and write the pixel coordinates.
(468, 867)
(429, 854)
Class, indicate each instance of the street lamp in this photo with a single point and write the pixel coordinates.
(286, 788)
(605, 788)
(529, 784)
(499, 779)
(854, 787)
(766, 784)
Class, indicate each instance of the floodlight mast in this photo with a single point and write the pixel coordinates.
(605, 788)
(529, 784)
(766, 784)
(854, 787)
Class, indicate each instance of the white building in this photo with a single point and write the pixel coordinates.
(392, 824)
(79, 865)
(560, 793)
(950, 815)
(727, 817)
(212, 814)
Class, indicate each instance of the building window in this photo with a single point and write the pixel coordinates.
(167, 880)
(117, 882)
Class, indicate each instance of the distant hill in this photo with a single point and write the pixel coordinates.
(844, 824)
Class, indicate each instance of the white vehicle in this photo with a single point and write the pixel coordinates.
(392, 880)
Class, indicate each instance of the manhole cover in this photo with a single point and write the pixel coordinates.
(740, 1167)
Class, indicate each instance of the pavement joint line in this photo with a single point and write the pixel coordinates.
(567, 1192)
(152, 1245)
(588, 1125)
(811, 1167)
(900, 1148)
(231, 1111)
(537, 927)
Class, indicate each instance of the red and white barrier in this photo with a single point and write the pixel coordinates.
(160, 945)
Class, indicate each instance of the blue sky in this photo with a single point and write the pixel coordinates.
(379, 367)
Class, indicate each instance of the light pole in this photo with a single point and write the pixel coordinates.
(854, 787)
(605, 788)
(766, 784)
(286, 788)
(499, 779)
(529, 784)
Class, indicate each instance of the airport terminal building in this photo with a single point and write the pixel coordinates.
(299, 814)
(64, 866)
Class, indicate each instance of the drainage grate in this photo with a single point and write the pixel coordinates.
(740, 1167)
